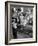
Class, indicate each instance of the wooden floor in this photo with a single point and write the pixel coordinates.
(25, 33)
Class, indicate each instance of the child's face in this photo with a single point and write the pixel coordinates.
(29, 11)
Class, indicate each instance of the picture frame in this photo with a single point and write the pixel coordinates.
(28, 34)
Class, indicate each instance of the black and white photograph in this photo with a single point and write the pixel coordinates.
(20, 23)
